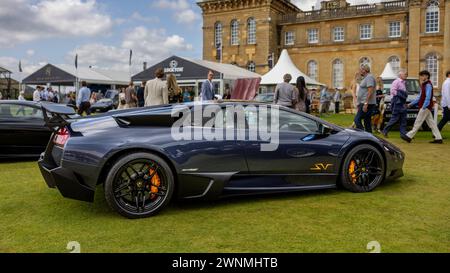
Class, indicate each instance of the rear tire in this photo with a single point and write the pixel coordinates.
(363, 169)
(139, 185)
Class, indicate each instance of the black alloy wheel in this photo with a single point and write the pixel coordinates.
(363, 169)
(139, 185)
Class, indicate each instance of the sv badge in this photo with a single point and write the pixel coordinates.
(321, 167)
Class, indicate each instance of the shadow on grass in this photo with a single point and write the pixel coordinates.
(178, 206)
(100, 208)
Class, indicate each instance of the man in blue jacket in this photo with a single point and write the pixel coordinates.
(426, 104)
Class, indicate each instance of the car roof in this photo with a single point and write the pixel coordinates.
(21, 102)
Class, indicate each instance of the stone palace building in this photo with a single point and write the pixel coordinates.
(330, 43)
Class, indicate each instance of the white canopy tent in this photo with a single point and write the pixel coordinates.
(98, 76)
(388, 72)
(228, 71)
(285, 65)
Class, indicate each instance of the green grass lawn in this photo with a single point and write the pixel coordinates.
(409, 215)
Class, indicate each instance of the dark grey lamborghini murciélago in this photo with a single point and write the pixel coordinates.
(142, 166)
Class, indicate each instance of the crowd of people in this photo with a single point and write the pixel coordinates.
(43, 94)
(150, 93)
(367, 94)
(368, 100)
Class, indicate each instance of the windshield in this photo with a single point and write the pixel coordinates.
(412, 86)
(264, 98)
(110, 94)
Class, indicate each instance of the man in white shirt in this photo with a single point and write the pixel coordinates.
(445, 102)
(37, 94)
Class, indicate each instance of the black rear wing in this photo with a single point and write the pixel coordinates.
(57, 115)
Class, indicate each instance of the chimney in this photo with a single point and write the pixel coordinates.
(145, 65)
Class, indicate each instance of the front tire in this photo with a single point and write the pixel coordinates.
(363, 169)
(139, 185)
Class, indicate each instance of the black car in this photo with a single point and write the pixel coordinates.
(108, 103)
(138, 156)
(265, 97)
(23, 132)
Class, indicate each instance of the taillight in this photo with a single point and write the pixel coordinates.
(61, 137)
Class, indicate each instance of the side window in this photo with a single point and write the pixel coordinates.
(19, 112)
(290, 122)
(211, 117)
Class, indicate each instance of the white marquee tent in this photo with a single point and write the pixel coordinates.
(388, 72)
(284, 66)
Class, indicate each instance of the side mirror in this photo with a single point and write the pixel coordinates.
(325, 130)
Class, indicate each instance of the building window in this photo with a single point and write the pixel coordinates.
(432, 65)
(234, 32)
(289, 38)
(432, 17)
(338, 74)
(312, 70)
(394, 29)
(338, 34)
(251, 67)
(365, 32)
(365, 61)
(313, 36)
(218, 34)
(395, 63)
(251, 31)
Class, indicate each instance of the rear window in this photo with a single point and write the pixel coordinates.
(412, 86)
(20, 112)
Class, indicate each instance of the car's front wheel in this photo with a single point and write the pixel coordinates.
(139, 185)
(363, 169)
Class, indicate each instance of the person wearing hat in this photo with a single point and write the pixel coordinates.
(366, 99)
(426, 104)
(285, 93)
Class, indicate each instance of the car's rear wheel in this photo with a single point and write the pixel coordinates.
(363, 169)
(139, 185)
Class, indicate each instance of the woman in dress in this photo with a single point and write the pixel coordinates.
(122, 99)
(378, 113)
(174, 89)
(355, 88)
(301, 94)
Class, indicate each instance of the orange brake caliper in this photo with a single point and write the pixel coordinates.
(351, 170)
(156, 182)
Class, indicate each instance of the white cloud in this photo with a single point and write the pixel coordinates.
(28, 20)
(12, 64)
(187, 17)
(172, 4)
(184, 14)
(150, 45)
(147, 19)
(30, 52)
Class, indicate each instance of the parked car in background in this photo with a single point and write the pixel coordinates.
(108, 103)
(23, 131)
(413, 88)
(265, 97)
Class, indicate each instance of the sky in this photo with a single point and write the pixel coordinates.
(101, 32)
